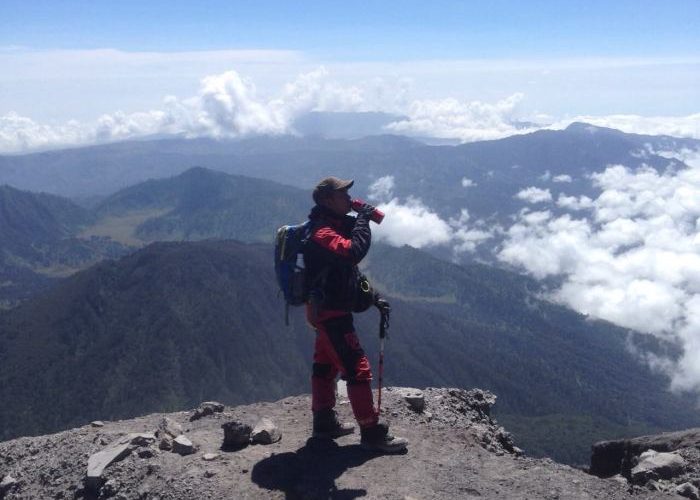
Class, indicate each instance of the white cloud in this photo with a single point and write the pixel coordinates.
(534, 195)
(573, 203)
(227, 105)
(468, 182)
(413, 223)
(382, 189)
(562, 178)
(633, 259)
(463, 120)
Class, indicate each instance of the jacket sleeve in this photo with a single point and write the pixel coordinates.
(351, 249)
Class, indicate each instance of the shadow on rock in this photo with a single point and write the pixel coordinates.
(311, 471)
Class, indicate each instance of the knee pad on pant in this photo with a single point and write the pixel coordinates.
(361, 372)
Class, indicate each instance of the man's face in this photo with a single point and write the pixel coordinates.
(339, 202)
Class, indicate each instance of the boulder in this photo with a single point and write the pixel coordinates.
(653, 465)
(688, 490)
(183, 446)
(210, 456)
(612, 457)
(414, 398)
(97, 423)
(99, 461)
(265, 432)
(207, 408)
(236, 434)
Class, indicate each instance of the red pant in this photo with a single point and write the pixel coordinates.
(338, 350)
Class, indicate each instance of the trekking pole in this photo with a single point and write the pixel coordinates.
(383, 326)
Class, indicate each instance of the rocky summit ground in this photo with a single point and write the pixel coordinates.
(456, 451)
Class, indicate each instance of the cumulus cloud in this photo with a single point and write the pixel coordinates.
(562, 178)
(534, 195)
(468, 182)
(382, 189)
(574, 203)
(463, 120)
(411, 222)
(227, 105)
(633, 256)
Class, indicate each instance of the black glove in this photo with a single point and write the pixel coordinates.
(385, 311)
(364, 210)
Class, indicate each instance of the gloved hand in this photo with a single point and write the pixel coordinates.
(364, 210)
(382, 304)
(385, 311)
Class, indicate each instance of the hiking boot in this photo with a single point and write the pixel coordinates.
(327, 426)
(377, 438)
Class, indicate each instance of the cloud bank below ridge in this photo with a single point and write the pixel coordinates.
(229, 105)
(631, 256)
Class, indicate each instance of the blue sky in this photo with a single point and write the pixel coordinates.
(364, 30)
(73, 71)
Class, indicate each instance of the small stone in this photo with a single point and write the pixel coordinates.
(210, 456)
(168, 427)
(236, 434)
(207, 408)
(265, 432)
(414, 398)
(7, 483)
(97, 423)
(183, 446)
(142, 439)
(209, 473)
(619, 478)
(688, 490)
(109, 489)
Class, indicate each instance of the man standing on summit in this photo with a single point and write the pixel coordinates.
(338, 242)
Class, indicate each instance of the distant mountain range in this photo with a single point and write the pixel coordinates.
(435, 173)
(177, 323)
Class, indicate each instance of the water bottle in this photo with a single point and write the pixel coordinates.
(377, 215)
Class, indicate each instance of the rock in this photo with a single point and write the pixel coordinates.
(265, 432)
(414, 398)
(168, 427)
(209, 473)
(109, 489)
(7, 483)
(165, 443)
(97, 423)
(619, 478)
(688, 490)
(236, 434)
(210, 456)
(142, 439)
(613, 457)
(99, 461)
(653, 465)
(183, 446)
(207, 408)
(146, 453)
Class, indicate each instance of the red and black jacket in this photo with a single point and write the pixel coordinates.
(337, 244)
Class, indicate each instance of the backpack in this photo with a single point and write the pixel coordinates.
(289, 264)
